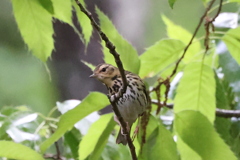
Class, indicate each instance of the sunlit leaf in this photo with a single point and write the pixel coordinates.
(47, 4)
(232, 40)
(85, 23)
(211, 57)
(14, 150)
(93, 102)
(159, 56)
(63, 10)
(35, 25)
(128, 53)
(94, 141)
(177, 32)
(196, 90)
(199, 134)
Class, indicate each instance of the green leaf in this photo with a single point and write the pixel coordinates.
(199, 134)
(196, 90)
(232, 40)
(185, 151)
(35, 25)
(63, 10)
(222, 125)
(14, 150)
(94, 141)
(211, 58)
(171, 3)
(165, 147)
(128, 53)
(235, 144)
(221, 98)
(93, 102)
(177, 32)
(85, 24)
(159, 56)
(160, 143)
(47, 4)
(73, 142)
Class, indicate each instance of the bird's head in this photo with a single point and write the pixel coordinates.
(105, 73)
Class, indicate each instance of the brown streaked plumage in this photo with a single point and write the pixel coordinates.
(132, 103)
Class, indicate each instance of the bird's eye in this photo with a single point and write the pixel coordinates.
(103, 70)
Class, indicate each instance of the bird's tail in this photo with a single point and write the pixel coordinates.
(121, 138)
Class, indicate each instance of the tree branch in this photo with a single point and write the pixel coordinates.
(54, 157)
(227, 113)
(58, 154)
(218, 11)
(219, 112)
(58, 151)
(118, 61)
(209, 25)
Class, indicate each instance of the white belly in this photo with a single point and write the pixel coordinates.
(132, 105)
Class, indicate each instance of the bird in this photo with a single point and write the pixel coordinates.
(132, 103)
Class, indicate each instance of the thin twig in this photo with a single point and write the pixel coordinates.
(225, 113)
(194, 34)
(218, 11)
(58, 154)
(166, 82)
(209, 25)
(118, 61)
(57, 150)
(157, 90)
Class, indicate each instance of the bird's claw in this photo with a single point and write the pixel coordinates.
(117, 95)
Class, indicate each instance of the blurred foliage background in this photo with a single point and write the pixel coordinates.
(25, 80)
(29, 89)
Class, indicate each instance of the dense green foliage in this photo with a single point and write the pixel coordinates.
(190, 131)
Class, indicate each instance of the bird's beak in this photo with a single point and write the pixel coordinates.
(92, 76)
